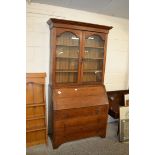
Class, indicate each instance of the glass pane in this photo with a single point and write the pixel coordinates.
(94, 41)
(68, 39)
(92, 70)
(67, 53)
(93, 59)
(94, 47)
(92, 76)
(93, 53)
(90, 64)
(66, 77)
(66, 64)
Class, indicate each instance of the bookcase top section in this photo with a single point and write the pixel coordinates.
(53, 22)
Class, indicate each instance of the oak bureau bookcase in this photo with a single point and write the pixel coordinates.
(76, 83)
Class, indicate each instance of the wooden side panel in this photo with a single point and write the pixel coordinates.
(36, 137)
(36, 130)
(35, 111)
(29, 93)
(35, 93)
(35, 80)
(38, 93)
(35, 123)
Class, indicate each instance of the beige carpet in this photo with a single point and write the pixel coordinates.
(89, 146)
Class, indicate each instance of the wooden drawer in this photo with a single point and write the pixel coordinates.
(86, 134)
(79, 121)
(60, 137)
(34, 111)
(35, 123)
(76, 132)
(36, 137)
(96, 126)
(79, 112)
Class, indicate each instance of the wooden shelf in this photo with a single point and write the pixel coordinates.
(78, 58)
(35, 104)
(35, 117)
(93, 58)
(94, 47)
(67, 57)
(30, 103)
(68, 45)
(36, 129)
(66, 71)
(97, 47)
(89, 71)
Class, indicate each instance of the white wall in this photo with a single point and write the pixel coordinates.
(37, 60)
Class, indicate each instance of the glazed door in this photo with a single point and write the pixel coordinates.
(93, 57)
(67, 56)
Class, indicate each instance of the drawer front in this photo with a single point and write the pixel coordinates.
(35, 123)
(35, 137)
(35, 111)
(79, 112)
(80, 121)
(78, 133)
(84, 128)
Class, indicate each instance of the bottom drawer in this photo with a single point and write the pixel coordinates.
(80, 135)
(35, 137)
(84, 128)
(80, 131)
(61, 137)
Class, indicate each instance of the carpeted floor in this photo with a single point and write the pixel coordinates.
(89, 146)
